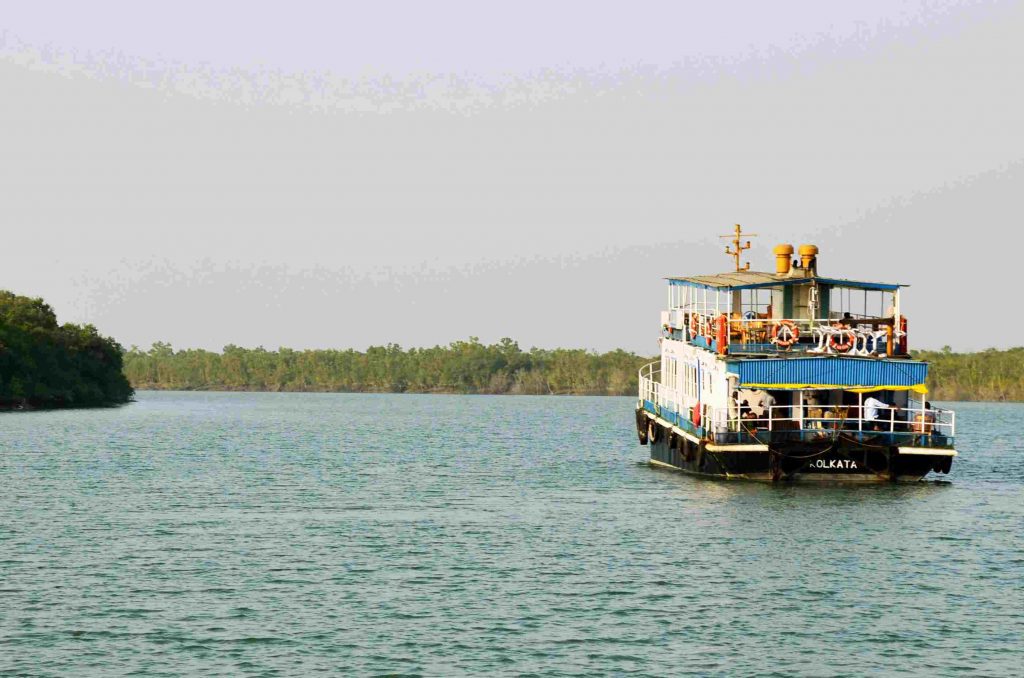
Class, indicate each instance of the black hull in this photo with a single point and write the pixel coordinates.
(841, 459)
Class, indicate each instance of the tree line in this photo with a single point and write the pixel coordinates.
(460, 367)
(986, 375)
(503, 367)
(45, 364)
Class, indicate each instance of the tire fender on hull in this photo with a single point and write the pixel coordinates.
(654, 432)
(641, 426)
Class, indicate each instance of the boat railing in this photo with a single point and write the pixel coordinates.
(740, 424)
(848, 418)
(650, 383)
(857, 336)
(918, 426)
(653, 391)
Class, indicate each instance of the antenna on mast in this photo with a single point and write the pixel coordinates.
(739, 246)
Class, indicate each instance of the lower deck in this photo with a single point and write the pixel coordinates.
(868, 459)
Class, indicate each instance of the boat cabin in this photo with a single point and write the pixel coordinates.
(793, 310)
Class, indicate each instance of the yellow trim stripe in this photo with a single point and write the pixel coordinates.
(918, 388)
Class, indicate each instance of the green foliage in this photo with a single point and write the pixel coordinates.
(472, 367)
(43, 364)
(987, 375)
(460, 367)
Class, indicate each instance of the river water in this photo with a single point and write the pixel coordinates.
(287, 534)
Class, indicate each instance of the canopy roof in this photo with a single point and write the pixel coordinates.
(749, 280)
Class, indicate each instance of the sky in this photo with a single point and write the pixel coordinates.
(334, 175)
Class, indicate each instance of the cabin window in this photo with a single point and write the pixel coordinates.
(860, 303)
(755, 303)
(690, 381)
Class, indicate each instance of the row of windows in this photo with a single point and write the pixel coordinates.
(684, 377)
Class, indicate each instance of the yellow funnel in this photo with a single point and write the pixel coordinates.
(782, 257)
(808, 255)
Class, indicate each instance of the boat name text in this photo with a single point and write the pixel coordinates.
(835, 463)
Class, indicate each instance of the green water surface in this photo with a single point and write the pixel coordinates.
(301, 534)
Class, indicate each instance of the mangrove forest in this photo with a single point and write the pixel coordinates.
(44, 364)
(500, 368)
(461, 367)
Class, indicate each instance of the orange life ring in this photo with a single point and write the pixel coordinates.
(722, 334)
(791, 328)
(845, 346)
(695, 415)
(693, 325)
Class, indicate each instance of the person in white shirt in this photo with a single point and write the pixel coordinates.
(872, 406)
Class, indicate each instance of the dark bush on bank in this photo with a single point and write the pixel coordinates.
(43, 364)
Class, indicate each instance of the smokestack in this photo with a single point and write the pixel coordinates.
(782, 255)
(809, 258)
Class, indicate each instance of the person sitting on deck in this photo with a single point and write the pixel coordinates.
(871, 412)
(925, 421)
(745, 401)
(846, 321)
(760, 403)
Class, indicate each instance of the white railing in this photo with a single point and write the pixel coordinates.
(851, 336)
(846, 418)
(652, 390)
(649, 383)
(821, 419)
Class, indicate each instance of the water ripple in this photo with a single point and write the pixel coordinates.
(283, 534)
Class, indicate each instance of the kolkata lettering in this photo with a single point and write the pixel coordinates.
(835, 463)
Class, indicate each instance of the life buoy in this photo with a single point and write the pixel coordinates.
(694, 325)
(787, 338)
(842, 346)
(695, 415)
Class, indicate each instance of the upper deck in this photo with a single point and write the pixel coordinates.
(790, 312)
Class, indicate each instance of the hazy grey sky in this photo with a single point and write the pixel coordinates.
(315, 174)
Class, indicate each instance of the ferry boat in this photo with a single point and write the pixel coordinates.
(789, 376)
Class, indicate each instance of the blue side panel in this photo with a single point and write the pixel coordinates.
(675, 418)
(835, 370)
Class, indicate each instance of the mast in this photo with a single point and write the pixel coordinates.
(737, 243)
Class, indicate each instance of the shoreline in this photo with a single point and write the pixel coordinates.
(25, 407)
(229, 389)
(456, 392)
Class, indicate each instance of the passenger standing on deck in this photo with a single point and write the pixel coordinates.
(768, 402)
(871, 412)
